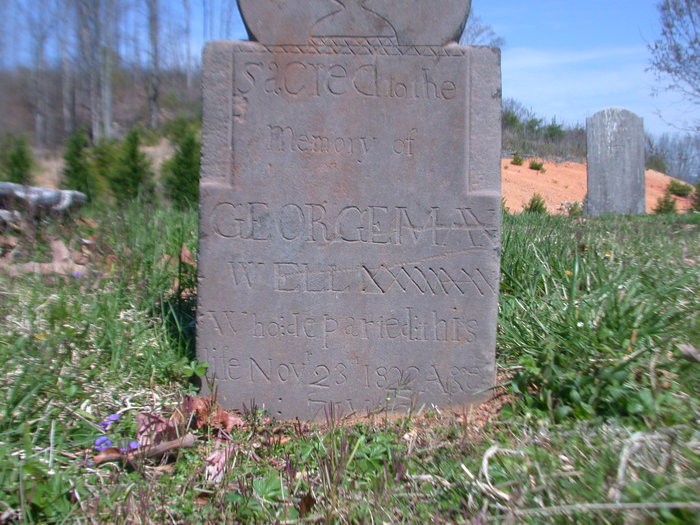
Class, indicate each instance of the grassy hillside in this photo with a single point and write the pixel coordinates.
(595, 420)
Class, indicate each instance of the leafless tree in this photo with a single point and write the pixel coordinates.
(476, 33)
(38, 26)
(187, 8)
(154, 62)
(67, 19)
(4, 9)
(109, 20)
(675, 56)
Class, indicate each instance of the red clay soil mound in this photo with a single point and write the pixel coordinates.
(565, 182)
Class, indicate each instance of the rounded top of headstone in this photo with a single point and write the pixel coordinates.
(382, 22)
(614, 114)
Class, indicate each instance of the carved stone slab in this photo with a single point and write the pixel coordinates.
(615, 163)
(349, 226)
(403, 22)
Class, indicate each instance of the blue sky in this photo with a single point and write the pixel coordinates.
(570, 58)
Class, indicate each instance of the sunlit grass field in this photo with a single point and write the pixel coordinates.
(596, 419)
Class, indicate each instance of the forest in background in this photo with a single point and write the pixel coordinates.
(107, 66)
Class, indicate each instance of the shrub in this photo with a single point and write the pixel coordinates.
(132, 176)
(537, 165)
(105, 158)
(696, 197)
(536, 205)
(656, 163)
(575, 210)
(517, 160)
(676, 187)
(76, 169)
(181, 173)
(504, 209)
(665, 205)
(17, 160)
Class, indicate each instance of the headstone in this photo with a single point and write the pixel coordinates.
(615, 163)
(349, 212)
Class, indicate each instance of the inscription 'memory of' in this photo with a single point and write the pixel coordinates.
(311, 78)
(286, 139)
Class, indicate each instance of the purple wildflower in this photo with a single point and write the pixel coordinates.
(102, 443)
(112, 418)
(130, 447)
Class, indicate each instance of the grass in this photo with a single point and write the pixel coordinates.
(599, 423)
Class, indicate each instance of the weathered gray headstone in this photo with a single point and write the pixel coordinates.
(615, 163)
(349, 216)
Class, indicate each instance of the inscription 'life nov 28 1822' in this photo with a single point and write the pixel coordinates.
(349, 224)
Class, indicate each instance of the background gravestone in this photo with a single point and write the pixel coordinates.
(615, 163)
(349, 214)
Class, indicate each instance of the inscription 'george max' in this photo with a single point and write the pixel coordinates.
(381, 225)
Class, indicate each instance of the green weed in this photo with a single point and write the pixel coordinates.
(599, 426)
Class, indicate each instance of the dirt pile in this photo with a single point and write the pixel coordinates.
(562, 182)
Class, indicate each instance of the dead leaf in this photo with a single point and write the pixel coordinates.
(60, 251)
(110, 263)
(690, 352)
(201, 499)
(163, 470)
(80, 258)
(186, 256)
(217, 462)
(202, 412)
(153, 429)
(8, 242)
(306, 504)
(90, 223)
(106, 455)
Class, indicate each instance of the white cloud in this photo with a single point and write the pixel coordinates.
(573, 84)
(528, 58)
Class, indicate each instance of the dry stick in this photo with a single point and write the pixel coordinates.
(485, 468)
(631, 447)
(605, 507)
(161, 449)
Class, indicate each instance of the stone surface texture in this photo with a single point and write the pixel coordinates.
(615, 163)
(403, 22)
(349, 226)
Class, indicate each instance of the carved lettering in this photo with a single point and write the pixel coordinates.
(287, 139)
(380, 225)
(308, 78)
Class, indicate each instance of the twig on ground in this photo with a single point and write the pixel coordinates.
(606, 507)
(485, 468)
(161, 449)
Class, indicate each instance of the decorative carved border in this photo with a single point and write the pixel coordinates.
(357, 46)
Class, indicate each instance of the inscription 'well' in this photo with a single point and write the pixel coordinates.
(350, 223)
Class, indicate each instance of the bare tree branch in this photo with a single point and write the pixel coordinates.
(675, 56)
